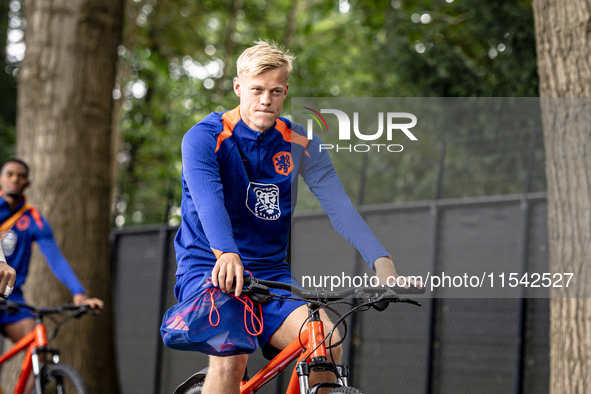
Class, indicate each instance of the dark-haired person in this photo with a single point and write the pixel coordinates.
(20, 225)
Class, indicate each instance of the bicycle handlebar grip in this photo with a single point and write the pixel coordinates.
(410, 290)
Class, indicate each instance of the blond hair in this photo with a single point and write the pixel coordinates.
(264, 56)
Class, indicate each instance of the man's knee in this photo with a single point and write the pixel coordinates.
(232, 367)
(332, 349)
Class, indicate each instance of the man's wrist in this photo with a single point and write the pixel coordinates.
(385, 265)
(219, 253)
(383, 261)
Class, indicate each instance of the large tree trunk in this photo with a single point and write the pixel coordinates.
(64, 131)
(564, 66)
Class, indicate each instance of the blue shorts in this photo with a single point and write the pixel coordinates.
(274, 312)
(9, 318)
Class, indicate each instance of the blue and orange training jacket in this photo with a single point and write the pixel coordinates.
(32, 226)
(240, 190)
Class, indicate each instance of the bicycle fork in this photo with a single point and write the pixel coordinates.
(341, 371)
(40, 355)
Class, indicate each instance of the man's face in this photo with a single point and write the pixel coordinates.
(261, 97)
(14, 179)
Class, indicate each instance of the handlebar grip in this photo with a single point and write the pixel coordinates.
(410, 290)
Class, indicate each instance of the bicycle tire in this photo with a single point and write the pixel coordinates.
(345, 390)
(63, 379)
(194, 384)
(195, 389)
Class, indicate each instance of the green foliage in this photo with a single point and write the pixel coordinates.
(7, 92)
(177, 65)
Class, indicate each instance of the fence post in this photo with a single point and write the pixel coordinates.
(165, 255)
(355, 322)
(434, 310)
(523, 301)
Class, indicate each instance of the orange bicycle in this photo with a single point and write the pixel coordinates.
(51, 375)
(310, 347)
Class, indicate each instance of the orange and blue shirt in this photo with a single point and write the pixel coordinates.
(32, 226)
(240, 190)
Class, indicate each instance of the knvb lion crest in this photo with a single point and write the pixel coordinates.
(282, 162)
(263, 200)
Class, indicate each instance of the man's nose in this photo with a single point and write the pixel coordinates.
(266, 98)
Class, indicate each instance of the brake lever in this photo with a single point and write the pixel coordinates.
(409, 301)
(384, 300)
(260, 296)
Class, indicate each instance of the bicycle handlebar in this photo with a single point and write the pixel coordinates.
(9, 306)
(261, 287)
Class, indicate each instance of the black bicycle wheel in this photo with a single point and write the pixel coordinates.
(193, 385)
(345, 390)
(63, 379)
(197, 388)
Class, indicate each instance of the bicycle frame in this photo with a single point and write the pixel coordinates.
(309, 348)
(34, 340)
(314, 348)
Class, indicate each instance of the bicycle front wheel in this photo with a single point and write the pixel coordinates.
(63, 379)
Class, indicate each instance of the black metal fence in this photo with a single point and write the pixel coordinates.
(475, 345)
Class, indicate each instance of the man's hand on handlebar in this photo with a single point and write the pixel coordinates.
(385, 269)
(93, 303)
(227, 271)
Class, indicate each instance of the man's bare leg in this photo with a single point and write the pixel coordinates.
(224, 374)
(290, 330)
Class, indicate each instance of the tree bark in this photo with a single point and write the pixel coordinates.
(563, 33)
(64, 130)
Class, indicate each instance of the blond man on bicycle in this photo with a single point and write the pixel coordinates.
(240, 172)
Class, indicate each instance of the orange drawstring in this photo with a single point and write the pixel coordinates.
(248, 307)
(213, 308)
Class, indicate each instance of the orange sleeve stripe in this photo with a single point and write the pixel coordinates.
(290, 136)
(217, 253)
(229, 119)
(223, 135)
(37, 216)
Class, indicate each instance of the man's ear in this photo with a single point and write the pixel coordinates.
(237, 86)
(27, 184)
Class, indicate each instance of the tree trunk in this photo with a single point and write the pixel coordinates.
(564, 67)
(64, 130)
